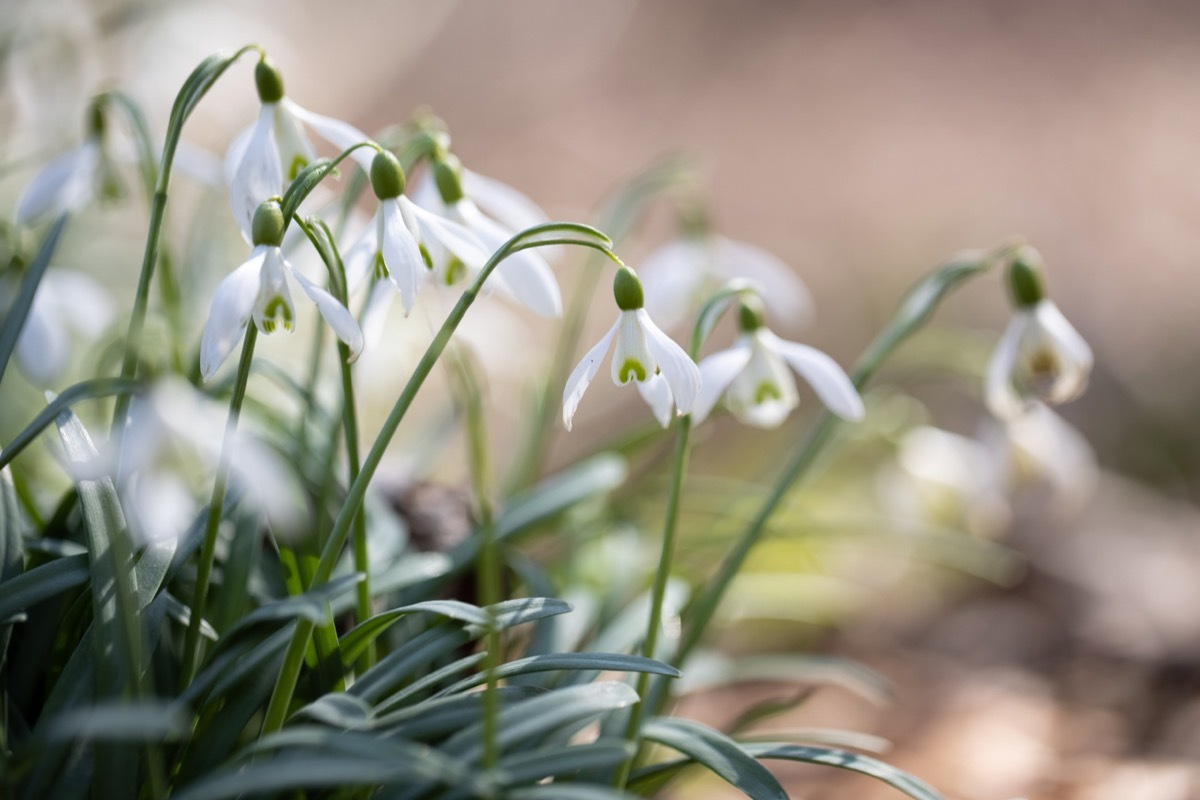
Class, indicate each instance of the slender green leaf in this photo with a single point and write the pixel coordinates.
(12, 551)
(338, 710)
(597, 475)
(119, 722)
(844, 759)
(405, 696)
(311, 606)
(14, 317)
(413, 657)
(42, 583)
(722, 755)
(616, 662)
(84, 390)
(434, 719)
(525, 768)
(566, 791)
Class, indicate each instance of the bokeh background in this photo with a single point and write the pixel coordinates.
(862, 143)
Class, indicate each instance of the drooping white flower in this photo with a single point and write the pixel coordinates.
(448, 190)
(666, 377)
(755, 377)
(1040, 356)
(681, 273)
(258, 289)
(274, 150)
(66, 300)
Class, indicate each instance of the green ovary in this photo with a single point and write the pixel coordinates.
(632, 368)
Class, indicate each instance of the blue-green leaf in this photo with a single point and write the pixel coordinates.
(722, 755)
(616, 662)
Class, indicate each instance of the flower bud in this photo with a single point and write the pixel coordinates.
(95, 122)
(267, 227)
(387, 176)
(268, 81)
(1025, 282)
(750, 314)
(627, 290)
(447, 173)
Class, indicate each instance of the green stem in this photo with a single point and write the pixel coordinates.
(191, 645)
(281, 697)
(650, 643)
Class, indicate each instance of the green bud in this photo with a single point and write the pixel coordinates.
(627, 290)
(1025, 281)
(267, 227)
(268, 81)
(95, 123)
(387, 176)
(750, 314)
(447, 173)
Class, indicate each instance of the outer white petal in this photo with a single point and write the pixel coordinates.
(827, 379)
(375, 312)
(65, 184)
(999, 395)
(359, 258)
(527, 274)
(582, 375)
(657, 394)
(341, 135)
(461, 242)
(716, 373)
(236, 152)
(671, 277)
(232, 305)
(42, 346)
(682, 374)
(502, 202)
(784, 293)
(336, 314)
(258, 175)
(79, 300)
(401, 254)
(295, 150)
(1074, 355)
(424, 193)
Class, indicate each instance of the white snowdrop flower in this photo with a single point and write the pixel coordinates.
(1040, 446)
(666, 377)
(259, 289)
(680, 274)
(273, 151)
(755, 376)
(66, 301)
(450, 191)
(1040, 356)
(73, 179)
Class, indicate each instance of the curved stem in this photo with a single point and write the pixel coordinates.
(216, 507)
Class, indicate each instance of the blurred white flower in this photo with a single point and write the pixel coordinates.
(65, 301)
(1040, 356)
(666, 377)
(259, 289)
(757, 384)
(680, 274)
(1042, 446)
(449, 190)
(276, 148)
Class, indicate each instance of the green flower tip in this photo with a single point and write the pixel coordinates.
(750, 314)
(387, 176)
(1025, 279)
(268, 226)
(627, 290)
(94, 123)
(447, 173)
(268, 81)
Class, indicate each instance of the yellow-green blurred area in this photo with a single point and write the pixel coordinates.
(1044, 644)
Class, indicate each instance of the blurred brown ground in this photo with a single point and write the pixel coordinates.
(862, 142)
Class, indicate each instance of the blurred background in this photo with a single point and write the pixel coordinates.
(862, 143)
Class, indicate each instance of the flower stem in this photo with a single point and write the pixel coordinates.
(650, 643)
(191, 644)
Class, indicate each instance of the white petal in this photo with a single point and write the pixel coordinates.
(582, 376)
(401, 255)
(716, 373)
(632, 359)
(339, 318)
(783, 292)
(1074, 355)
(526, 273)
(295, 150)
(232, 305)
(461, 242)
(341, 135)
(79, 300)
(657, 394)
(682, 374)
(42, 346)
(375, 312)
(671, 277)
(258, 175)
(236, 152)
(1000, 396)
(502, 202)
(359, 258)
(65, 184)
(424, 193)
(827, 379)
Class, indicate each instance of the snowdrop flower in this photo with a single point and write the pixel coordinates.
(275, 148)
(756, 382)
(666, 377)
(450, 191)
(73, 179)
(680, 274)
(390, 248)
(1040, 356)
(259, 289)
(1039, 445)
(65, 301)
